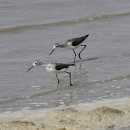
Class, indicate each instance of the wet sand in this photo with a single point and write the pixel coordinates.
(99, 115)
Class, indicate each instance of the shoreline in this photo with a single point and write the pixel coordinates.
(99, 115)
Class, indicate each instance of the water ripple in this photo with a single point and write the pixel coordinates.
(19, 28)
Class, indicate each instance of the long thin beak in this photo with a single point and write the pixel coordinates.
(52, 51)
(30, 68)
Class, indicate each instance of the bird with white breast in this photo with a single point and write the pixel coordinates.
(55, 68)
(72, 44)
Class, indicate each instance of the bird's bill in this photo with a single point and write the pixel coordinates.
(52, 51)
(30, 68)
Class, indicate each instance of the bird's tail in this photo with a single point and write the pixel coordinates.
(86, 36)
(72, 64)
(81, 39)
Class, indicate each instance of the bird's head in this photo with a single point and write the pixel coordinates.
(54, 47)
(34, 64)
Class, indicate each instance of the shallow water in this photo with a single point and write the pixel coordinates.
(28, 29)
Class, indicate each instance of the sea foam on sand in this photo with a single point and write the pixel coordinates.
(98, 115)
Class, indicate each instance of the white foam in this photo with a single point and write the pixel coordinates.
(97, 115)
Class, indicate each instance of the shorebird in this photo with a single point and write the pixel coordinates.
(55, 68)
(71, 44)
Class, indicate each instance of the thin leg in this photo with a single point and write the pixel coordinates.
(80, 65)
(84, 46)
(69, 78)
(57, 79)
(74, 55)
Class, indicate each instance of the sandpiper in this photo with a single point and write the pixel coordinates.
(55, 68)
(71, 44)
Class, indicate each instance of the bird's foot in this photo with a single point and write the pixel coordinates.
(71, 84)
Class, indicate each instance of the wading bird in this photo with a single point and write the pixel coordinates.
(55, 68)
(71, 44)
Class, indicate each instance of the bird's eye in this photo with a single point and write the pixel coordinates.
(34, 63)
(54, 46)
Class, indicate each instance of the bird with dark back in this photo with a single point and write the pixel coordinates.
(55, 68)
(72, 44)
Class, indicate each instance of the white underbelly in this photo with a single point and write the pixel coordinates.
(51, 70)
(72, 47)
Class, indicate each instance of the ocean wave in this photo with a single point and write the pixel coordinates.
(19, 28)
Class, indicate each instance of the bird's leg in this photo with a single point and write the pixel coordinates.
(80, 65)
(74, 55)
(84, 46)
(57, 79)
(69, 77)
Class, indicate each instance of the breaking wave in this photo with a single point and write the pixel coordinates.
(19, 28)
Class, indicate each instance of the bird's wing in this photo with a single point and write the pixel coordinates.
(77, 41)
(60, 66)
